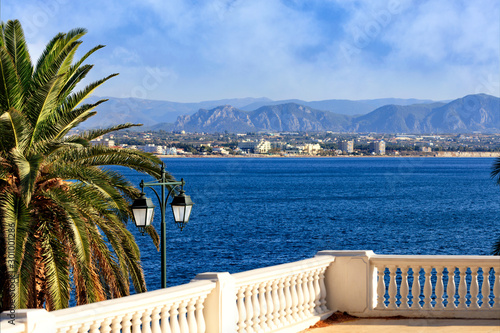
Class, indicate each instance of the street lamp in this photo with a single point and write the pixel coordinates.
(143, 209)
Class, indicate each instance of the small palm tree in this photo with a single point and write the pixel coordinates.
(62, 215)
(495, 174)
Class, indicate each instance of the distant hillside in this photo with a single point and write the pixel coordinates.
(341, 106)
(151, 112)
(464, 115)
(279, 118)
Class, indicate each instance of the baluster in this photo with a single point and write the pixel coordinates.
(324, 308)
(126, 323)
(182, 317)
(403, 290)
(84, 328)
(416, 288)
(256, 308)
(240, 300)
(263, 307)
(248, 308)
(496, 288)
(462, 289)
(474, 288)
(427, 288)
(305, 291)
(155, 320)
(300, 296)
(486, 287)
(200, 320)
(165, 322)
(277, 303)
(191, 319)
(317, 292)
(72, 329)
(105, 326)
(291, 300)
(392, 288)
(94, 328)
(283, 303)
(136, 322)
(146, 321)
(450, 289)
(380, 288)
(174, 320)
(439, 291)
(270, 306)
(116, 325)
(312, 293)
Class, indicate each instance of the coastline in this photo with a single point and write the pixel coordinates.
(434, 155)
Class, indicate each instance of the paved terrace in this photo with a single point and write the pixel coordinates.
(341, 323)
(439, 293)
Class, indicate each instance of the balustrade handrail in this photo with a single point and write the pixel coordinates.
(263, 274)
(115, 307)
(441, 259)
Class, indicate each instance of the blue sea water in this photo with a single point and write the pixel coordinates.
(257, 212)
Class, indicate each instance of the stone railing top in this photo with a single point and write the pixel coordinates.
(276, 272)
(445, 260)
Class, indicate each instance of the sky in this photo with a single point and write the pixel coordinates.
(192, 51)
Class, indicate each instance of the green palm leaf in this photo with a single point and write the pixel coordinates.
(64, 213)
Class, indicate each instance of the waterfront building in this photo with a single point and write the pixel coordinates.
(377, 147)
(256, 147)
(311, 149)
(347, 147)
(220, 150)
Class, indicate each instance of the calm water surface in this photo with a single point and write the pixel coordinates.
(253, 213)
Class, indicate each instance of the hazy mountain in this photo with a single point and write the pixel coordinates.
(220, 119)
(468, 114)
(280, 118)
(294, 117)
(471, 113)
(341, 106)
(396, 101)
(151, 112)
(394, 119)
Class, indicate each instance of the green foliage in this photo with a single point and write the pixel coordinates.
(63, 217)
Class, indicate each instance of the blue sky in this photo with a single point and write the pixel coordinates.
(190, 51)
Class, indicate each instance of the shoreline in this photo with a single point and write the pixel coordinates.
(441, 155)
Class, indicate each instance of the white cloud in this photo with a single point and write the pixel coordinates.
(221, 49)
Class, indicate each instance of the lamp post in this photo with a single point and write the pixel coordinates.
(143, 208)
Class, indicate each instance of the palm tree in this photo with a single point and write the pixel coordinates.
(62, 215)
(495, 174)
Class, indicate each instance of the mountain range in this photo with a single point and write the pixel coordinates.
(468, 114)
(472, 113)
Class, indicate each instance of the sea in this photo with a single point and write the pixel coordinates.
(256, 212)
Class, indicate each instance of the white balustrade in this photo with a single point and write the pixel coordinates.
(290, 297)
(282, 296)
(175, 310)
(452, 286)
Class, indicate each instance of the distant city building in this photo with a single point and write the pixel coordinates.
(256, 147)
(152, 148)
(220, 150)
(103, 142)
(311, 149)
(377, 147)
(293, 150)
(347, 147)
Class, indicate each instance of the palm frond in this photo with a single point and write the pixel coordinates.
(15, 44)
